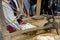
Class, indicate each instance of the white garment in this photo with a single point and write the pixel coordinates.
(9, 15)
(27, 26)
(45, 38)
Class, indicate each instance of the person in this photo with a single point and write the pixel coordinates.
(33, 7)
(13, 6)
(58, 7)
(9, 15)
(44, 6)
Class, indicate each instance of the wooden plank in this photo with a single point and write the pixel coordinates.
(38, 8)
(28, 30)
